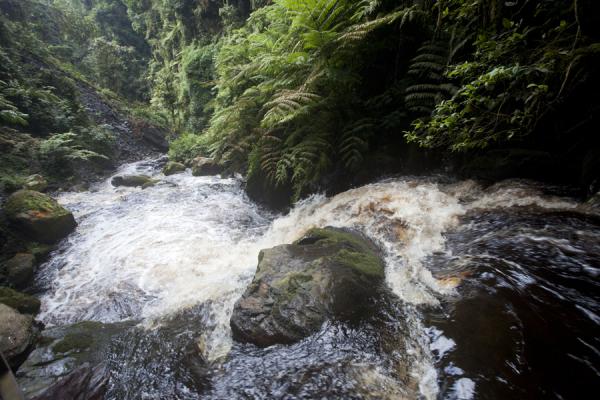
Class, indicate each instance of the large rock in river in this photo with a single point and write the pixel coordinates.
(202, 166)
(329, 273)
(39, 216)
(172, 168)
(18, 333)
(132, 180)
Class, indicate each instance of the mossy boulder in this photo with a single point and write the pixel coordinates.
(172, 168)
(35, 182)
(18, 333)
(203, 166)
(328, 274)
(19, 270)
(39, 216)
(132, 180)
(21, 302)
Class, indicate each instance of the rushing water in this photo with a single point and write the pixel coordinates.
(497, 290)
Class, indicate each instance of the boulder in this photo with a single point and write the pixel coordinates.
(21, 302)
(69, 362)
(172, 168)
(35, 182)
(18, 333)
(39, 216)
(19, 270)
(328, 274)
(131, 180)
(202, 166)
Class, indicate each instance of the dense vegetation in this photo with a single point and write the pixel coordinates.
(310, 94)
(307, 92)
(51, 53)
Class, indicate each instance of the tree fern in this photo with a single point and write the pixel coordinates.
(427, 71)
(354, 143)
(286, 105)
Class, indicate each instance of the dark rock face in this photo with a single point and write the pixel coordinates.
(19, 270)
(83, 383)
(131, 180)
(19, 301)
(39, 216)
(501, 164)
(172, 168)
(202, 166)
(330, 273)
(68, 363)
(18, 333)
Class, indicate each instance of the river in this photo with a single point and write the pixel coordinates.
(497, 289)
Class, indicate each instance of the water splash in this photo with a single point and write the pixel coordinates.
(146, 254)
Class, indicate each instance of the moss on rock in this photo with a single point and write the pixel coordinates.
(329, 273)
(173, 167)
(73, 342)
(19, 301)
(39, 216)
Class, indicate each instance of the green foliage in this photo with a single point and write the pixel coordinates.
(188, 146)
(287, 82)
(65, 150)
(520, 66)
(116, 67)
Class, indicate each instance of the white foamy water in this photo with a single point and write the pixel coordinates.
(144, 254)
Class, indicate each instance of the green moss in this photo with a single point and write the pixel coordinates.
(334, 236)
(365, 263)
(19, 301)
(73, 342)
(293, 280)
(354, 251)
(28, 200)
(39, 250)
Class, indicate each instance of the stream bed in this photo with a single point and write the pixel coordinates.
(497, 290)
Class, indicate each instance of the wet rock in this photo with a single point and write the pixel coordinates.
(173, 167)
(19, 270)
(328, 274)
(150, 184)
(202, 166)
(39, 216)
(35, 182)
(83, 383)
(18, 333)
(261, 190)
(131, 180)
(69, 363)
(21, 302)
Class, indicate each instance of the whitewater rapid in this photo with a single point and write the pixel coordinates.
(145, 254)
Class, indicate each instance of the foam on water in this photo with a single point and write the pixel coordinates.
(144, 254)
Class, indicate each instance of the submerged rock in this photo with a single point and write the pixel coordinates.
(329, 273)
(173, 168)
(19, 270)
(202, 166)
(132, 180)
(21, 302)
(39, 216)
(18, 333)
(69, 364)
